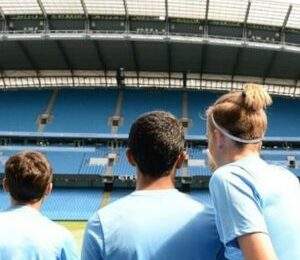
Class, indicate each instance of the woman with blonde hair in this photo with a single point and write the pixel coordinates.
(257, 205)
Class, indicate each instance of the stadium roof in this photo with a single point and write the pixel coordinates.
(264, 12)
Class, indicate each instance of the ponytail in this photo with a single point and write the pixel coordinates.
(255, 97)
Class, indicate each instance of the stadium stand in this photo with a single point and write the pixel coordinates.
(20, 109)
(121, 167)
(197, 104)
(89, 111)
(64, 160)
(147, 101)
(283, 117)
(60, 204)
(86, 111)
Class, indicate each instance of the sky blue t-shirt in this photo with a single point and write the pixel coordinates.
(152, 224)
(251, 195)
(25, 234)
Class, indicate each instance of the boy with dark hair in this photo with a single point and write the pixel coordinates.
(156, 221)
(24, 232)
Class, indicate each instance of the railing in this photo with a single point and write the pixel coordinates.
(90, 32)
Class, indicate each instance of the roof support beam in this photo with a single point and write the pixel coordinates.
(169, 51)
(64, 55)
(127, 21)
(86, 14)
(240, 49)
(101, 59)
(4, 19)
(100, 55)
(41, 5)
(33, 64)
(206, 18)
(286, 19)
(27, 55)
(169, 58)
(203, 58)
(134, 57)
(236, 62)
(167, 29)
(246, 20)
(268, 69)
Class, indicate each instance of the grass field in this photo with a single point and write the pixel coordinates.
(76, 228)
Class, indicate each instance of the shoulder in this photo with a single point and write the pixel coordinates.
(226, 174)
(188, 201)
(57, 231)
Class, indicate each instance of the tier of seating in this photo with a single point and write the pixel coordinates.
(89, 111)
(92, 160)
(80, 204)
(137, 102)
(19, 110)
(64, 160)
(81, 111)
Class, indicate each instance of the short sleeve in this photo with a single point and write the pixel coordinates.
(93, 242)
(238, 206)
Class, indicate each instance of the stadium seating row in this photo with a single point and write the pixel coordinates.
(60, 205)
(88, 111)
(90, 160)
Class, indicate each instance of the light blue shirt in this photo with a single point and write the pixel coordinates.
(152, 224)
(251, 195)
(25, 234)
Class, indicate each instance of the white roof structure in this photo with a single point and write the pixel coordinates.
(265, 12)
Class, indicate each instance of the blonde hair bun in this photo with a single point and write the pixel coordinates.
(256, 97)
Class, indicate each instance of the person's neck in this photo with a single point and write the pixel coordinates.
(145, 183)
(237, 155)
(35, 205)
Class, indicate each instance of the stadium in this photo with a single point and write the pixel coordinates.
(75, 74)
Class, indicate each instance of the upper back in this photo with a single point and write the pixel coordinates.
(278, 193)
(26, 234)
(161, 224)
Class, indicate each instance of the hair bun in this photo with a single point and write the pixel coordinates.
(256, 97)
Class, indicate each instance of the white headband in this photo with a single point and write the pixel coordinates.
(232, 137)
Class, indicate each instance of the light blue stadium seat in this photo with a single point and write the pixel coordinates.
(86, 168)
(137, 102)
(284, 120)
(198, 102)
(83, 111)
(64, 160)
(72, 204)
(19, 110)
(122, 167)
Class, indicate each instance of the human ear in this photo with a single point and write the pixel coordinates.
(5, 185)
(130, 157)
(49, 189)
(181, 159)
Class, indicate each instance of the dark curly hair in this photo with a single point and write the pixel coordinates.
(156, 139)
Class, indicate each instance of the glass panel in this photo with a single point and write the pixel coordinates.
(146, 8)
(268, 12)
(194, 9)
(63, 6)
(20, 7)
(105, 7)
(227, 10)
